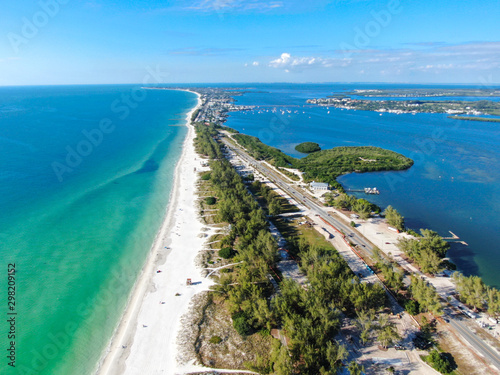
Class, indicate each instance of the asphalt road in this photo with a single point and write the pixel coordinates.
(484, 349)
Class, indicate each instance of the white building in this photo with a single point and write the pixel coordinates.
(319, 186)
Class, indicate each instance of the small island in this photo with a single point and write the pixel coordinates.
(327, 165)
(307, 147)
(470, 118)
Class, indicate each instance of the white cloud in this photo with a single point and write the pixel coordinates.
(456, 59)
(255, 63)
(287, 61)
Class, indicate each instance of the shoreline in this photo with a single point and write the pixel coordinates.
(126, 352)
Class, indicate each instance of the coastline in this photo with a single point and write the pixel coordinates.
(151, 319)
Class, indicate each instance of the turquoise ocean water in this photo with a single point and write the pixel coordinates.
(453, 186)
(86, 172)
(85, 178)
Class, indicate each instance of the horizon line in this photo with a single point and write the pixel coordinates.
(269, 83)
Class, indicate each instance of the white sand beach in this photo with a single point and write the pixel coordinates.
(145, 341)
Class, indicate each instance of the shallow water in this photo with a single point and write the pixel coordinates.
(80, 210)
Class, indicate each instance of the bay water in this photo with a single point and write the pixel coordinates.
(453, 186)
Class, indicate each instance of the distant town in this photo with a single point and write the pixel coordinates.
(452, 107)
(217, 103)
(420, 93)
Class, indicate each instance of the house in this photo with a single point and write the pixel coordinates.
(319, 186)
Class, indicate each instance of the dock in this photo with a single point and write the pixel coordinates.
(454, 238)
(365, 190)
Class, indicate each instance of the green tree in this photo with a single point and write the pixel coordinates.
(275, 207)
(282, 363)
(394, 218)
(433, 242)
(226, 253)
(440, 362)
(307, 147)
(393, 279)
(210, 201)
(240, 324)
(427, 251)
(428, 261)
(363, 208)
(425, 295)
(387, 332)
(355, 368)
(412, 307)
(377, 255)
(493, 298)
(342, 201)
(365, 324)
(335, 354)
(471, 289)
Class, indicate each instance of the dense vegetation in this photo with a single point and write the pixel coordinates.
(327, 165)
(261, 151)
(470, 118)
(422, 296)
(307, 147)
(427, 251)
(195, 114)
(426, 296)
(348, 202)
(394, 218)
(392, 278)
(205, 142)
(475, 293)
(310, 316)
(271, 201)
(442, 362)
(230, 130)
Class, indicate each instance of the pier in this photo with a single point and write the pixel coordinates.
(365, 190)
(454, 238)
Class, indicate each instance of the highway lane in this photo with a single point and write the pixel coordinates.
(477, 343)
(306, 201)
(486, 351)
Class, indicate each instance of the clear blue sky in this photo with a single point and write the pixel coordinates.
(120, 41)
